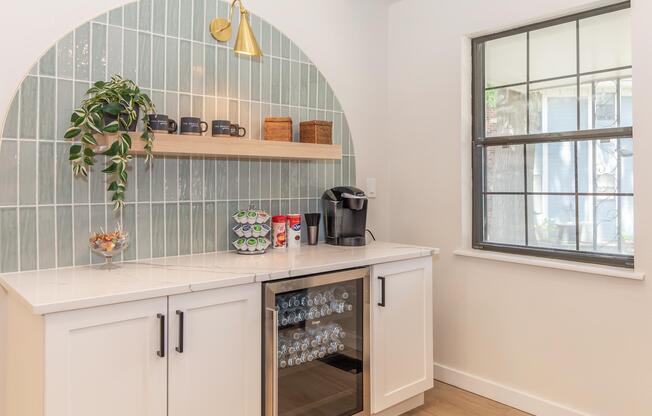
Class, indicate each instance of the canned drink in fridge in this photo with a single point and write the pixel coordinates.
(294, 230)
(278, 231)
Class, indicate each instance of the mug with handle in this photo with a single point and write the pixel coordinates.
(161, 123)
(221, 128)
(193, 126)
(237, 131)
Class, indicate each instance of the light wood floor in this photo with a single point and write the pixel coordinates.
(446, 400)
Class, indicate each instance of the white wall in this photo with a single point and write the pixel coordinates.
(346, 40)
(575, 339)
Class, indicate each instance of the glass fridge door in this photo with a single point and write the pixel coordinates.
(321, 355)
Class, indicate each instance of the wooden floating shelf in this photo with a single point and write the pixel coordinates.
(188, 145)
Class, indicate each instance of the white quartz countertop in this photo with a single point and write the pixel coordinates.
(57, 290)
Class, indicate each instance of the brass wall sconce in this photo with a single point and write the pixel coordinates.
(245, 42)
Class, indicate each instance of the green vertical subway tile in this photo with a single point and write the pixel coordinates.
(295, 84)
(295, 178)
(266, 79)
(65, 56)
(198, 227)
(285, 46)
(304, 83)
(46, 173)
(209, 180)
(276, 81)
(185, 65)
(221, 226)
(265, 38)
(233, 110)
(276, 42)
(352, 171)
(330, 174)
(144, 60)
(63, 182)
(198, 68)
(129, 223)
(243, 179)
(233, 76)
(27, 173)
(294, 115)
(28, 107)
(198, 23)
(115, 16)
(255, 79)
(145, 15)
(98, 52)
(185, 105)
(222, 108)
(185, 228)
(47, 233)
(158, 16)
(245, 78)
(337, 172)
(275, 174)
(171, 179)
(79, 92)
(130, 54)
(143, 219)
(171, 229)
(221, 178)
(321, 177)
(304, 174)
(47, 108)
(48, 62)
(130, 15)
(233, 185)
(254, 179)
(158, 230)
(209, 111)
(99, 180)
(158, 179)
(285, 82)
(185, 19)
(64, 236)
(337, 128)
(8, 240)
(8, 172)
(255, 22)
(336, 104)
(114, 51)
(285, 178)
(321, 90)
(244, 117)
(295, 53)
(210, 14)
(142, 179)
(101, 18)
(346, 142)
(329, 97)
(173, 18)
(79, 189)
(313, 190)
(158, 100)
(82, 51)
(254, 130)
(209, 69)
(130, 192)
(312, 87)
(97, 223)
(184, 179)
(11, 122)
(346, 179)
(81, 231)
(265, 178)
(275, 207)
(284, 205)
(222, 68)
(232, 207)
(172, 106)
(210, 231)
(197, 179)
(172, 64)
(158, 62)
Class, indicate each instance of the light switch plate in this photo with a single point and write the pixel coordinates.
(371, 188)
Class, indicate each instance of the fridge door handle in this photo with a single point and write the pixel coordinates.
(382, 291)
(161, 320)
(272, 363)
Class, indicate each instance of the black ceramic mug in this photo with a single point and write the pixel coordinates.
(193, 126)
(221, 128)
(237, 131)
(161, 123)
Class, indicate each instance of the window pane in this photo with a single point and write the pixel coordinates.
(603, 164)
(605, 41)
(606, 224)
(599, 99)
(553, 51)
(505, 111)
(551, 221)
(505, 61)
(551, 167)
(553, 106)
(505, 216)
(505, 169)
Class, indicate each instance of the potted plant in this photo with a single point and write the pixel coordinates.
(112, 107)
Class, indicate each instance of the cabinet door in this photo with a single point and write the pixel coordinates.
(106, 361)
(216, 368)
(401, 331)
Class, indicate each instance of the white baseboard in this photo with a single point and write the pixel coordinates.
(503, 394)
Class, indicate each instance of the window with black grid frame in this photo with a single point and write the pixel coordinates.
(552, 144)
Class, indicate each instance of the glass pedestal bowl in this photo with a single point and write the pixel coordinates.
(109, 250)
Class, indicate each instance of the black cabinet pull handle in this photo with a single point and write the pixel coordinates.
(382, 291)
(179, 349)
(161, 351)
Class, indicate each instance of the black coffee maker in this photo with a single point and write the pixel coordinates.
(345, 216)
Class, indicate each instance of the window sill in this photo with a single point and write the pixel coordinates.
(553, 264)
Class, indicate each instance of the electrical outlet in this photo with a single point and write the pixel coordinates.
(371, 188)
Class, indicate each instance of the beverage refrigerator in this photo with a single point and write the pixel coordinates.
(316, 350)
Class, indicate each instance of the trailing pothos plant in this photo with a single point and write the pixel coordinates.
(111, 108)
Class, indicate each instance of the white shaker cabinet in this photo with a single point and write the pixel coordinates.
(215, 352)
(401, 332)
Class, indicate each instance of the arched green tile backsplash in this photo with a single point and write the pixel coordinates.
(179, 205)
